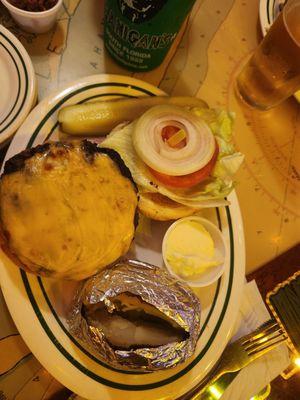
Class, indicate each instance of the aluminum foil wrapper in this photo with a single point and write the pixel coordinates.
(154, 286)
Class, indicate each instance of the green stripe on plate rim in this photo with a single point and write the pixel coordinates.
(91, 356)
(26, 82)
(19, 84)
(273, 12)
(268, 12)
(48, 331)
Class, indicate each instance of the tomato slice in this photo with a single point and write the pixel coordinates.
(189, 180)
(168, 131)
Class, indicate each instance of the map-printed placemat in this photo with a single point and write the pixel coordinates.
(205, 58)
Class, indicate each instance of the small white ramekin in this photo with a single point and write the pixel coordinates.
(34, 22)
(210, 275)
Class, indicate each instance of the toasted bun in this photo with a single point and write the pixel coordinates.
(161, 208)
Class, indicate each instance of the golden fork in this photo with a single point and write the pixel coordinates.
(239, 354)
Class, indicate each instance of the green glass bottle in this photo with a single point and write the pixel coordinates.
(139, 33)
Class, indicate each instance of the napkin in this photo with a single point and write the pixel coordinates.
(257, 375)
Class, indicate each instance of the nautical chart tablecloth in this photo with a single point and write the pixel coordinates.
(203, 62)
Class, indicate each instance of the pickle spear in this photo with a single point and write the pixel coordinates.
(99, 118)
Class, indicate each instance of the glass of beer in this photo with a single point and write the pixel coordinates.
(272, 74)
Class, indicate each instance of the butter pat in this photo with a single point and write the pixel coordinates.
(190, 249)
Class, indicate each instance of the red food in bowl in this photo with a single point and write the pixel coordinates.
(34, 5)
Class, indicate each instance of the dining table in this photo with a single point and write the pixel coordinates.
(204, 60)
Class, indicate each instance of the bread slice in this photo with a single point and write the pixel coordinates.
(161, 208)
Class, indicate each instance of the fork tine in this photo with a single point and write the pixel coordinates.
(237, 356)
(262, 337)
(265, 326)
(260, 351)
(258, 342)
(269, 327)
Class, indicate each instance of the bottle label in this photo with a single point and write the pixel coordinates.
(139, 33)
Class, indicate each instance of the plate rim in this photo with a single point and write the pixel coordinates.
(69, 88)
(264, 16)
(19, 83)
(30, 93)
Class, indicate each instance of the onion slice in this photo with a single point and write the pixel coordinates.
(159, 155)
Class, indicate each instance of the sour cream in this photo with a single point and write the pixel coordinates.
(192, 249)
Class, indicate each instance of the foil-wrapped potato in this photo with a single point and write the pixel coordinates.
(136, 316)
(66, 209)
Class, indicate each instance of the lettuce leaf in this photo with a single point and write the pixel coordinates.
(209, 193)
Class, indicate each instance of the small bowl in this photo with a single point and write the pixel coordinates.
(211, 274)
(34, 22)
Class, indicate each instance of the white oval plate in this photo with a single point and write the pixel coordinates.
(17, 83)
(39, 306)
(268, 12)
